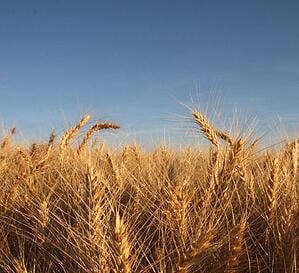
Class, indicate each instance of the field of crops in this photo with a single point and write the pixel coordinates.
(85, 208)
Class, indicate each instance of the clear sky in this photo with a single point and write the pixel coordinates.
(129, 62)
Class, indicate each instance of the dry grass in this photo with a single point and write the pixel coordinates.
(84, 209)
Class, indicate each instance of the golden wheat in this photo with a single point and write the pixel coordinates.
(236, 251)
(92, 130)
(206, 127)
(72, 132)
(122, 245)
(226, 209)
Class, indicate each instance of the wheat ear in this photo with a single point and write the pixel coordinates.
(295, 155)
(235, 161)
(122, 245)
(225, 136)
(272, 188)
(206, 127)
(194, 255)
(13, 130)
(96, 127)
(72, 132)
(236, 252)
(51, 139)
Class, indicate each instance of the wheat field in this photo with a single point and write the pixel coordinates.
(84, 208)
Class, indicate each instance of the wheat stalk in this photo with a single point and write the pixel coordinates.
(206, 128)
(271, 192)
(137, 153)
(100, 148)
(193, 256)
(236, 252)
(6, 142)
(122, 245)
(112, 166)
(51, 139)
(235, 161)
(225, 136)
(295, 155)
(92, 130)
(72, 132)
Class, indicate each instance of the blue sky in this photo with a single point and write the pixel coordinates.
(130, 61)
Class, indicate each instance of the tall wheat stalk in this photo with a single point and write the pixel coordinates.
(72, 132)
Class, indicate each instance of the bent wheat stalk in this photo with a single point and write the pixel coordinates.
(206, 128)
(209, 131)
(96, 127)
